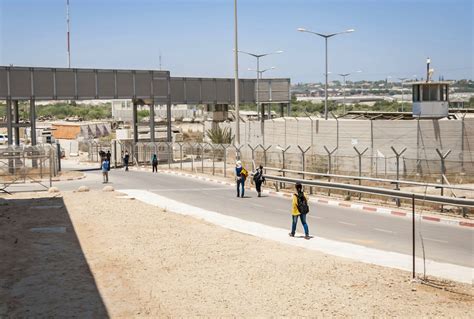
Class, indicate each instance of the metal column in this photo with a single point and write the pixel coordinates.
(33, 122)
(134, 120)
(152, 121)
(17, 121)
(9, 122)
(168, 113)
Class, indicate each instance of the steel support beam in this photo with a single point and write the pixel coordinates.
(33, 122)
(152, 121)
(9, 122)
(16, 112)
(134, 122)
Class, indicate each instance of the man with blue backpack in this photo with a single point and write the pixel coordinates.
(299, 209)
(105, 170)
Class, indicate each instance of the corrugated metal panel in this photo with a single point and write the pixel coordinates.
(43, 84)
(86, 84)
(62, 83)
(106, 83)
(177, 90)
(3, 83)
(124, 84)
(193, 90)
(20, 84)
(143, 81)
(65, 84)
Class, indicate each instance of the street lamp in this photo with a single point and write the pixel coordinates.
(326, 37)
(262, 119)
(344, 75)
(236, 79)
(402, 80)
(260, 75)
(258, 56)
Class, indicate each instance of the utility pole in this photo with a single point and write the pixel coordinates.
(236, 80)
(68, 36)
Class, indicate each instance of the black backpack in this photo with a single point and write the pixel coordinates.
(302, 203)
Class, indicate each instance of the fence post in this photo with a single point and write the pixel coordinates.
(201, 145)
(50, 167)
(265, 149)
(443, 170)
(180, 156)
(237, 151)
(115, 153)
(224, 148)
(329, 164)
(413, 232)
(303, 162)
(360, 165)
(253, 155)
(169, 154)
(213, 159)
(283, 151)
(398, 154)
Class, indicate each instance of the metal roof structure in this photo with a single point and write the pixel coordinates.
(142, 86)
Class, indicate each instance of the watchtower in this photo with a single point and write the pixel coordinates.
(430, 99)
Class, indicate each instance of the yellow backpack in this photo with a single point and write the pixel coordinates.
(244, 172)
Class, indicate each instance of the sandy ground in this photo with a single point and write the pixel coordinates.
(122, 258)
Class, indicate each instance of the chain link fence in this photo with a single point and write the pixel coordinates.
(28, 164)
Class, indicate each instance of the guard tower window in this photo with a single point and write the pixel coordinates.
(416, 93)
(434, 90)
(426, 92)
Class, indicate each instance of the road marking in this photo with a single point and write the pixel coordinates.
(436, 240)
(384, 230)
(344, 223)
(188, 189)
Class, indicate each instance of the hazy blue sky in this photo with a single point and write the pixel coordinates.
(195, 37)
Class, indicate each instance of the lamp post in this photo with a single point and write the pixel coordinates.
(236, 80)
(344, 75)
(258, 56)
(402, 80)
(260, 76)
(326, 37)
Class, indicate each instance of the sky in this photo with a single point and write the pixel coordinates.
(195, 37)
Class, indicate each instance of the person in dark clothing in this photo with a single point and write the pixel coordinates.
(126, 159)
(154, 163)
(259, 179)
(107, 156)
(102, 157)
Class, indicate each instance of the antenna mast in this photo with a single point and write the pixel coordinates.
(160, 60)
(68, 40)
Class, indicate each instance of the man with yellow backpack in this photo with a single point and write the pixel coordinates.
(240, 176)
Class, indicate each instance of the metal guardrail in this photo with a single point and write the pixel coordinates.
(462, 202)
(372, 179)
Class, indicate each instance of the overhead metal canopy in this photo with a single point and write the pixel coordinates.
(38, 83)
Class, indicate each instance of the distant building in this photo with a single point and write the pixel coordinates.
(78, 130)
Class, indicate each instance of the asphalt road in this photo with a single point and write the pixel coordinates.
(443, 243)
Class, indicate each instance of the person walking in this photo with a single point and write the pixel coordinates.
(299, 209)
(258, 178)
(154, 163)
(108, 155)
(105, 170)
(240, 176)
(126, 159)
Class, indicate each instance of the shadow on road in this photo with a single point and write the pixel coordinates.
(43, 272)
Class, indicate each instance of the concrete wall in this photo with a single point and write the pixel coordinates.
(421, 138)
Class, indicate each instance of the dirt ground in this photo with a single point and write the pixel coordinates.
(122, 258)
